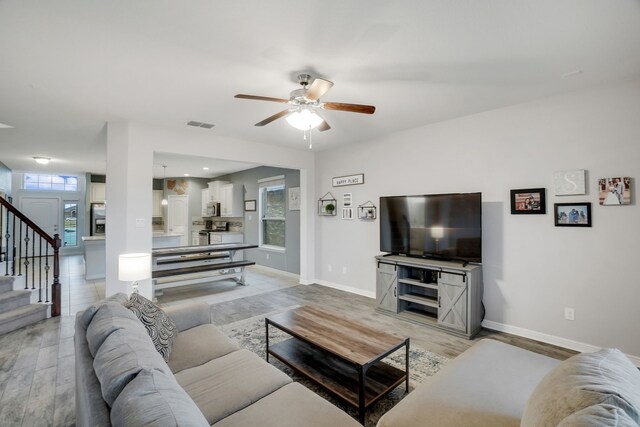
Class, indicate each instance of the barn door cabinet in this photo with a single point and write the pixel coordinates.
(446, 295)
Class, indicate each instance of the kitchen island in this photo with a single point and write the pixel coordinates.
(95, 255)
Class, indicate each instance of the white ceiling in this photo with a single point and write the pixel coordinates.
(67, 67)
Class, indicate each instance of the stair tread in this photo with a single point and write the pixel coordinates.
(22, 311)
(13, 294)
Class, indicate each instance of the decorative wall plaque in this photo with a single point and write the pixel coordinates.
(569, 183)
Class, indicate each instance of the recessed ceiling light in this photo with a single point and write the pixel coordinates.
(205, 168)
(3, 126)
(186, 174)
(42, 160)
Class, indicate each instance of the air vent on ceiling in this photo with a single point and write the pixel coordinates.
(200, 124)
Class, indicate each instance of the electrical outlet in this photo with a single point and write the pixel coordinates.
(344, 270)
(329, 268)
(569, 313)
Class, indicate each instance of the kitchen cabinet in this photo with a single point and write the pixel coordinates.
(228, 237)
(195, 238)
(157, 203)
(231, 201)
(97, 192)
(206, 198)
(215, 190)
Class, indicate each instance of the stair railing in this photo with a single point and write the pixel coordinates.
(25, 244)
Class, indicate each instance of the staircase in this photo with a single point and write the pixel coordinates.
(16, 310)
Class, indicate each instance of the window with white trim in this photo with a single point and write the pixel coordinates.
(37, 182)
(272, 212)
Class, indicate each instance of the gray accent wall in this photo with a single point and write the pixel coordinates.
(289, 260)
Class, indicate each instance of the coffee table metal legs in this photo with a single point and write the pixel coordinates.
(266, 327)
(362, 374)
(406, 369)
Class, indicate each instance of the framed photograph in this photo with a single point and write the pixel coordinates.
(249, 205)
(569, 183)
(572, 214)
(294, 198)
(615, 191)
(528, 201)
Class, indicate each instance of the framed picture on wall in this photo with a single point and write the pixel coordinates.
(528, 201)
(614, 191)
(572, 214)
(249, 205)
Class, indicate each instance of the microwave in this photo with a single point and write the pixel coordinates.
(213, 209)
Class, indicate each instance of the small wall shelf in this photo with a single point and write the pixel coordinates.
(325, 203)
(367, 211)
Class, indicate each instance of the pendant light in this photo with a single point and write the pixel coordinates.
(164, 202)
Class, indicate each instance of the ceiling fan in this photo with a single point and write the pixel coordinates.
(304, 102)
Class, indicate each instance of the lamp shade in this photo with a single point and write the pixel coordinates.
(304, 119)
(133, 267)
(437, 232)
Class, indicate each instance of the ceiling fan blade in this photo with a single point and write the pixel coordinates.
(318, 88)
(323, 126)
(261, 98)
(354, 108)
(272, 118)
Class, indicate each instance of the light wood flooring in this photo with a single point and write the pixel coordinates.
(37, 363)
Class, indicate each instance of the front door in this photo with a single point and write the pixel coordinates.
(44, 211)
(178, 217)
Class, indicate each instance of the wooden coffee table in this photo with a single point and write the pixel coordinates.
(339, 354)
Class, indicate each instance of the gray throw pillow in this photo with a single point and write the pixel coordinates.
(154, 398)
(599, 416)
(604, 377)
(160, 327)
(90, 311)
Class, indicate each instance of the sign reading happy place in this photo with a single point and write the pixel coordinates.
(341, 181)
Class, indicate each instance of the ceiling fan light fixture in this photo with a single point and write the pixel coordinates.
(304, 119)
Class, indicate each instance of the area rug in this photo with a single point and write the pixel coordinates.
(250, 334)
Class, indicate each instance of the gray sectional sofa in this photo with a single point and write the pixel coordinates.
(498, 385)
(122, 380)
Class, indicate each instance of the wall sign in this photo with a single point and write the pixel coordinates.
(340, 181)
(569, 183)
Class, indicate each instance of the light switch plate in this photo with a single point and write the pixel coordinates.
(139, 222)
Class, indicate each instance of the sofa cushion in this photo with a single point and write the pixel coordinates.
(290, 406)
(88, 314)
(154, 398)
(109, 318)
(160, 327)
(197, 346)
(599, 415)
(487, 385)
(120, 358)
(230, 383)
(603, 377)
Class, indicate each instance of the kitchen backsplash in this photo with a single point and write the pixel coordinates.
(157, 224)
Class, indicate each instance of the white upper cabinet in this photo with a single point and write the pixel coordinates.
(232, 200)
(214, 190)
(97, 192)
(206, 198)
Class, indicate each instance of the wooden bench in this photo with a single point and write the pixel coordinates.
(157, 274)
(175, 262)
(191, 258)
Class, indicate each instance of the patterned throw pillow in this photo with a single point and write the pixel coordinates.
(161, 328)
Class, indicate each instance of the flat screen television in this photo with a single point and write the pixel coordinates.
(443, 226)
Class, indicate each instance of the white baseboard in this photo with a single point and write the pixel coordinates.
(549, 339)
(356, 291)
(274, 270)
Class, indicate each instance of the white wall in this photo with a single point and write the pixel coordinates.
(532, 270)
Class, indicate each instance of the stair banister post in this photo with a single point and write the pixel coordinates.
(55, 287)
